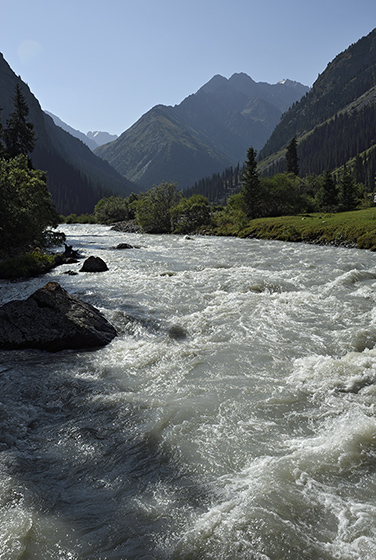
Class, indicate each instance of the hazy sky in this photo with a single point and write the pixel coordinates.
(101, 64)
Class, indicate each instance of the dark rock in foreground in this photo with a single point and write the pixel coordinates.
(94, 264)
(52, 319)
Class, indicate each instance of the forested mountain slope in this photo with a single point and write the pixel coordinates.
(76, 177)
(336, 120)
(210, 130)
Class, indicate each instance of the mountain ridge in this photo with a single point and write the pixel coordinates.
(336, 120)
(348, 76)
(101, 137)
(76, 177)
(93, 139)
(208, 131)
(72, 131)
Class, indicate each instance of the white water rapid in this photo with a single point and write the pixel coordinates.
(233, 417)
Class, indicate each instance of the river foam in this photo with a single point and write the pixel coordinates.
(233, 416)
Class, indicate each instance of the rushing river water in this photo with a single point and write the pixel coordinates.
(232, 418)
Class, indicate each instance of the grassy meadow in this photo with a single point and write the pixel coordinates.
(352, 229)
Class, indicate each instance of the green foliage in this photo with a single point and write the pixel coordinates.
(81, 219)
(190, 214)
(357, 228)
(26, 265)
(327, 194)
(284, 195)
(111, 209)
(26, 209)
(231, 219)
(153, 208)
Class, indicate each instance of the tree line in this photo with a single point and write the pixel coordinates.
(340, 139)
(26, 212)
(165, 209)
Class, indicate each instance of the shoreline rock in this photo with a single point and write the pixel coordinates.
(51, 319)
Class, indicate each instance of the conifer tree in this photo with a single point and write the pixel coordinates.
(328, 193)
(347, 190)
(292, 159)
(19, 135)
(252, 190)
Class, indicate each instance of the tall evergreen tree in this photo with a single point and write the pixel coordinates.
(252, 190)
(19, 134)
(292, 165)
(327, 195)
(348, 196)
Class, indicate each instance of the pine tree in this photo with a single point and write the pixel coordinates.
(292, 159)
(328, 193)
(347, 190)
(251, 186)
(19, 135)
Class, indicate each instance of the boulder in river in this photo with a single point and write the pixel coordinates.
(94, 264)
(52, 319)
(124, 246)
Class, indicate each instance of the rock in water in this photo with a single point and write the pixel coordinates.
(52, 319)
(94, 264)
(124, 246)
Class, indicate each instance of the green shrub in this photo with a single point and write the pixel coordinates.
(27, 265)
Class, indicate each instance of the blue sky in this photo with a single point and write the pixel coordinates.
(101, 64)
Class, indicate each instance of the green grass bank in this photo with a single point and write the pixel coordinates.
(26, 266)
(352, 229)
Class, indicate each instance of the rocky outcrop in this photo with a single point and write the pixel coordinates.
(127, 226)
(52, 319)
(94, 264)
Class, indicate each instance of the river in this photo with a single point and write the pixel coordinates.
(232, 418)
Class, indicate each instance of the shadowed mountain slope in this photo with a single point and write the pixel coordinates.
(336, 120)
(208, 131)
(76, 177)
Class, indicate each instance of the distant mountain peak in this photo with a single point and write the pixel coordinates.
(212, 85)
(241, 78)
(101, 137)
(242, 82)
(208, 131)
(287, 82)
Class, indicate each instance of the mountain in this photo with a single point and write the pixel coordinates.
(210, 130)
(76, 177)
(336, 120)
(91, 139)
(100, 138)
(73, 132)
